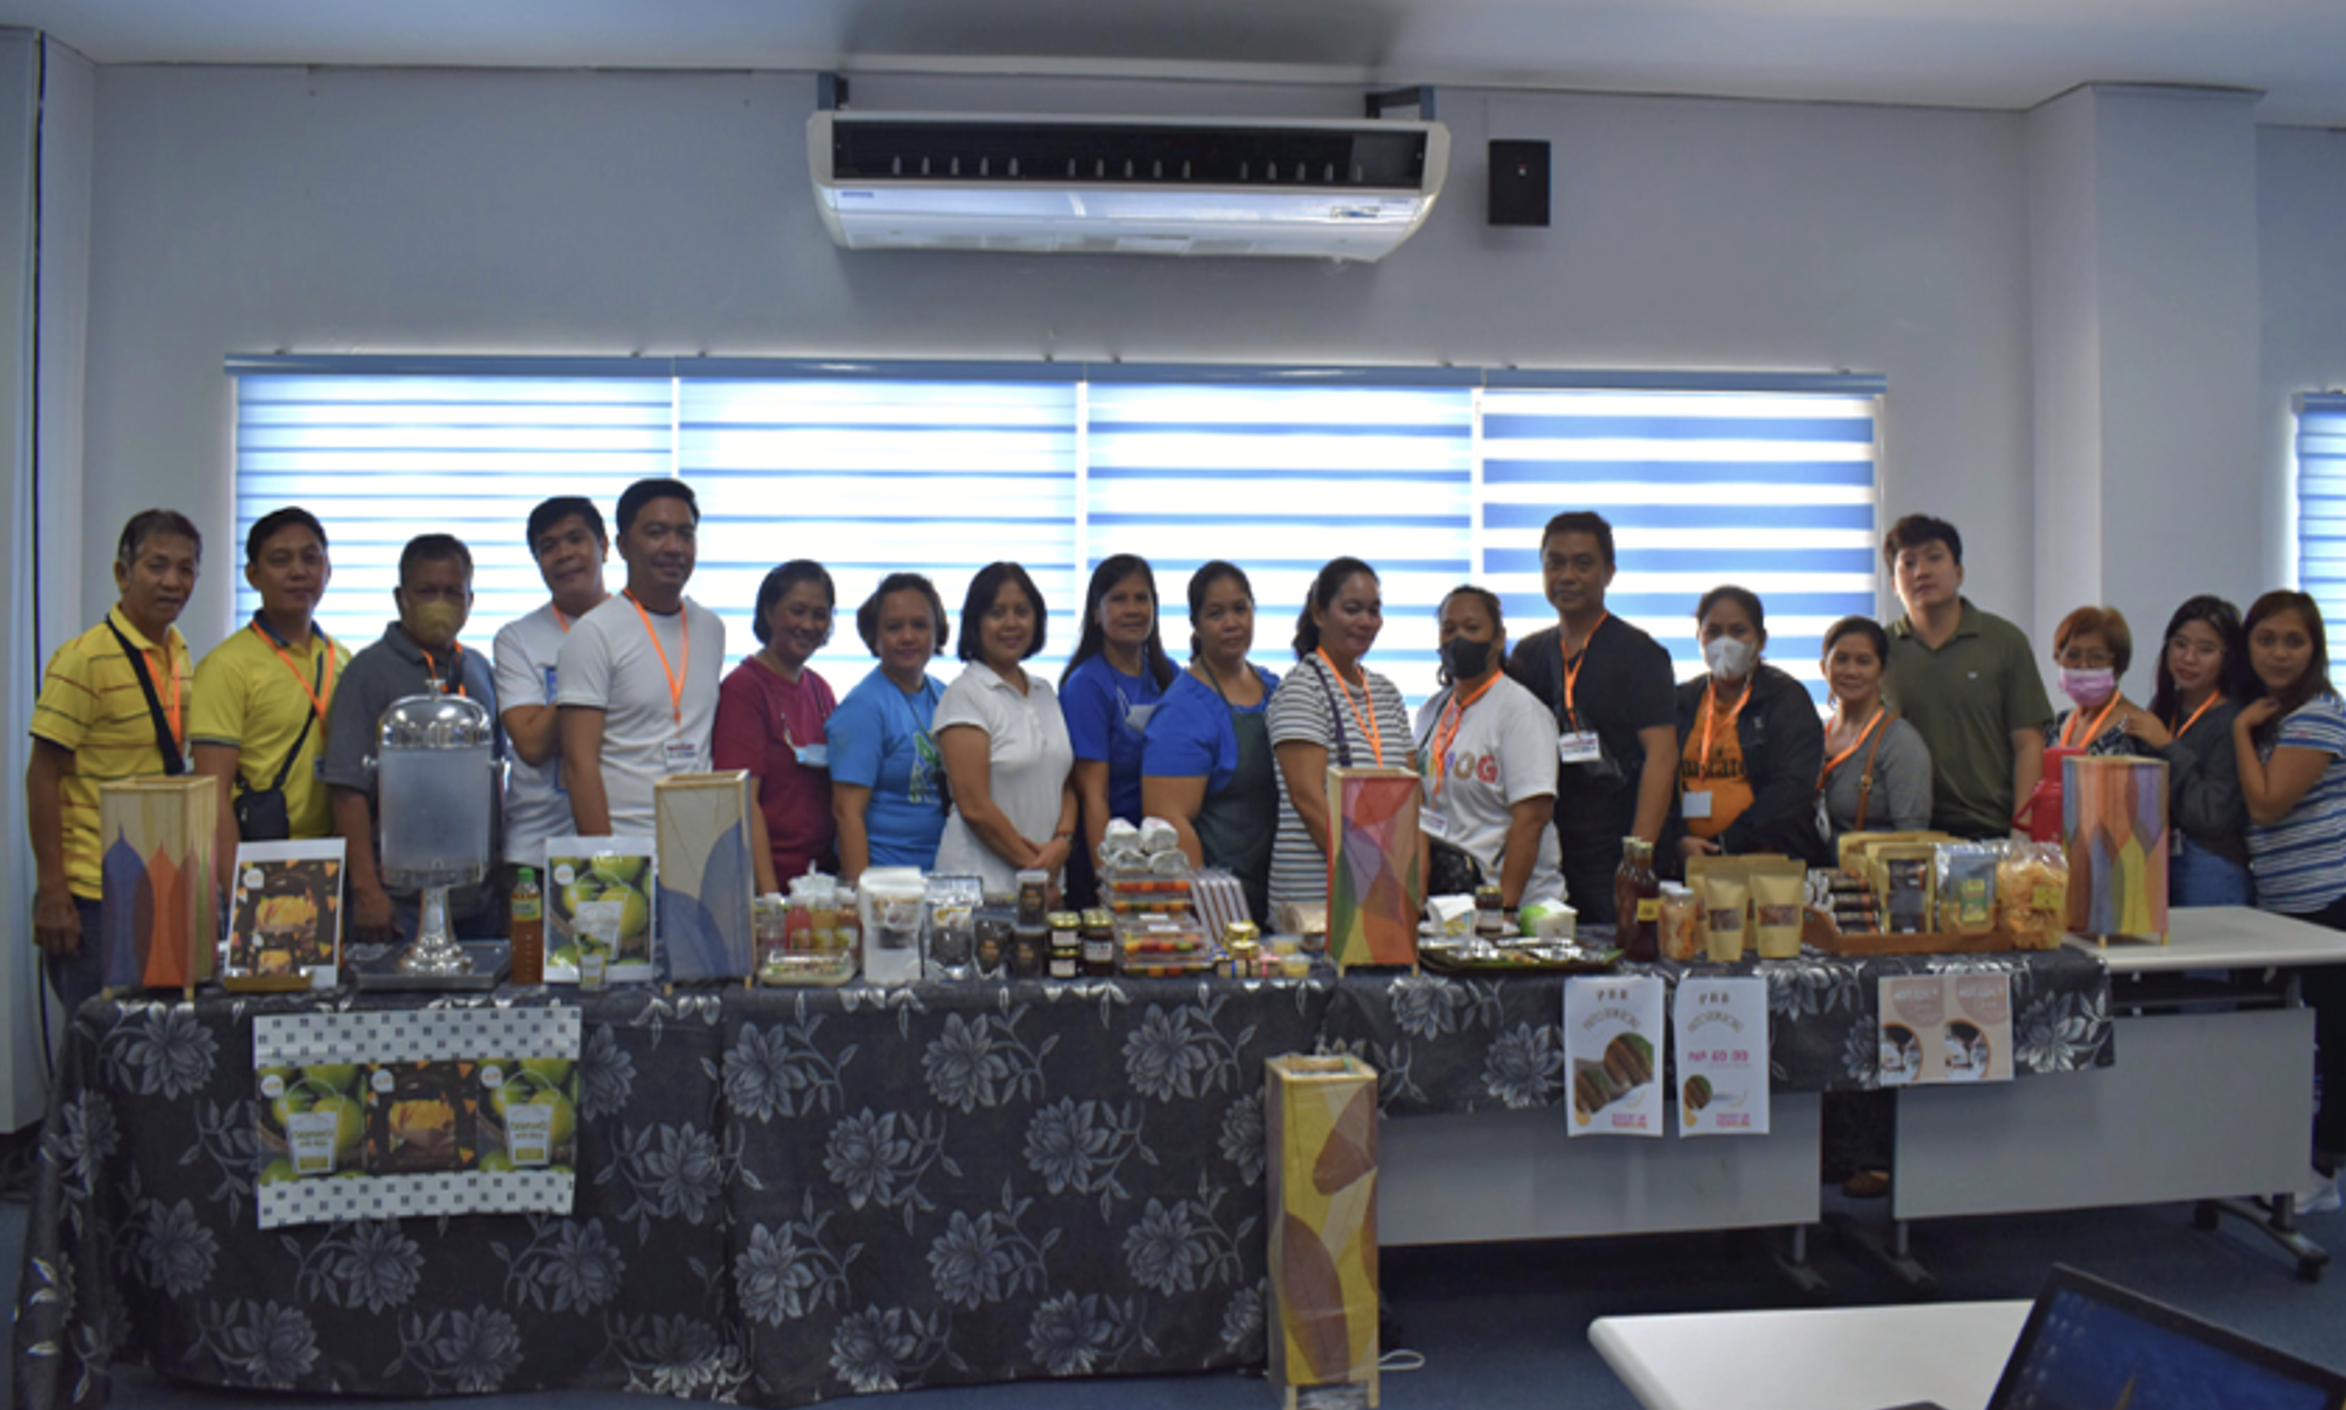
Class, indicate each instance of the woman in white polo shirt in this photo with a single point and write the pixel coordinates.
(1008, 759)
(1489, 752)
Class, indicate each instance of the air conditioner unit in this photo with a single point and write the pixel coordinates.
(1350, 190)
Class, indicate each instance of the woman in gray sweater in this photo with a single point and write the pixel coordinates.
(1877, 775)
(2203, 670)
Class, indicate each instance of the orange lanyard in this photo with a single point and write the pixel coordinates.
(2096, 732)
(1376, 736)
(562, 621)
(455, 663)
(1843, 757)
(1446, 729)
(1710, 713)
(2204, 707)
(1573, 664)
(675, 680)
(317, 702)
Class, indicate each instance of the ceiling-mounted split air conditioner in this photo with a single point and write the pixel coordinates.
(1351, 190)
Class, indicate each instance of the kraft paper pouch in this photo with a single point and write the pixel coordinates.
(1726, 897)
(1778, 892)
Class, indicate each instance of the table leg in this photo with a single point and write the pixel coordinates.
(1894, 1255)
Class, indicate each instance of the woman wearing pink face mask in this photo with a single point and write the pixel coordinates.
(2093, 648)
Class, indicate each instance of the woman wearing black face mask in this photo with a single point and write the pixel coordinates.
(1489, 747)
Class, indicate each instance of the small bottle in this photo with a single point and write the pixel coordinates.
(1490, 910)
(529, 929)
(1028, 945)
(1034, 891)
(1242, 944)
(1099, 944)
(990, 935)
(1637, 903)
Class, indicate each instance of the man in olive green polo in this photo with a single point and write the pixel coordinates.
(1967, 680)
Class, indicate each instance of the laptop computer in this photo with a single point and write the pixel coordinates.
(2092, 1345)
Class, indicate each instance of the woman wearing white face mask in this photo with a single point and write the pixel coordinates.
(1750, 744)
(2093, 648)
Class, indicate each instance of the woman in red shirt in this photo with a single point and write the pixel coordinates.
(770, 716)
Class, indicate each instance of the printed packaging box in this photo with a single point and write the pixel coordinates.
(706, 880)
(161, 903)
(1321, 1123)
(599, 906)
(1376, 888)
(285, 916)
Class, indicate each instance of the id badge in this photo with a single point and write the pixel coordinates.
(812, 756)
(1579, 747)
(1138, 717)
(681, 756)
(1434, 824)
(1696, 806)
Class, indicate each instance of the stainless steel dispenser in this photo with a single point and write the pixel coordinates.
(436, 790)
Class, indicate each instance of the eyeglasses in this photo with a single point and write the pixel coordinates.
(2086, 660)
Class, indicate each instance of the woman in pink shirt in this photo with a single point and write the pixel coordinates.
(770, 715)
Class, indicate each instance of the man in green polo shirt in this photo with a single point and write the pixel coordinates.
(1965, 679)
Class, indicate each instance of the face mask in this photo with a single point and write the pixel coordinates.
(1466, 660)
(2089, 688)
(436, 623)
(1729, 657)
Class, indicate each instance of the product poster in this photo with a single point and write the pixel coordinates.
(1612, 1048)
(425, 1111)
(1914, 1029)
(1946, 1028)
(599, 909)
(1978, 1046)
(1721, 1030)
(285, 919)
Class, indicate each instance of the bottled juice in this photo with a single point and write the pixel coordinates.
(1637, 902)
(529, 929)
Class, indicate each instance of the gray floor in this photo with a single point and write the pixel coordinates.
(1507, 1325)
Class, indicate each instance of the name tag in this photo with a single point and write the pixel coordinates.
(1434, 824)
(680, 756)
(1696, 806)
(1579, 747)
(1138, 717)
(812, 756)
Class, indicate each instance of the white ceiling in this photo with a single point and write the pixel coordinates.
(1963, 53)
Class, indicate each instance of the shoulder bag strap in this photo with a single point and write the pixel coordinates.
(1865, 779)
(174, 763)
(1336, 716)
(309, 717)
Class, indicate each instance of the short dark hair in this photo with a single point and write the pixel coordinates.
(275, 522)
(1866, 627)
(777, 586)
(983, 589)
(1582, 521)
(1742, 597)
(148, 523)
(433, 548)
(2108, 623)
(867, 617)
(2221, 617)
(1914, 531)
(1334, 574)
(547, 516)
(1202, 582)
(643, 492)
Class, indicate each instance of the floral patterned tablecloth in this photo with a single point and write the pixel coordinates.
(791, 1195)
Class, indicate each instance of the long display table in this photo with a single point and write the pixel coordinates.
(783, 1195)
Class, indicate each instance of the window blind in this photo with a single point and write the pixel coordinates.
(1279, 480)
(2321, 504)
(1772, 490)
(380, 458)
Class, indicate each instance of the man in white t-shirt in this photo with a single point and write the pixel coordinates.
(567, 539)
(637, 677)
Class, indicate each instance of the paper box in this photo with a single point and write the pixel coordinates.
(599, 908)
(2114, 828)
(1321, 1123)
(1375, 886)
(285, 916)
(706, 879)
(161, 913)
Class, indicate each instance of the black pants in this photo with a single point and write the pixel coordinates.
(2325, 990)
(1589, 863)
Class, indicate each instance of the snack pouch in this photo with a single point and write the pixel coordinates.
(1777, 890)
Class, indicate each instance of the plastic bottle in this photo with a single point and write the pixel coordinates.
(529, 929)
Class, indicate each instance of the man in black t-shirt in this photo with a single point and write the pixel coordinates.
(1611, 688)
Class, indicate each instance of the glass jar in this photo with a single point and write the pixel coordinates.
(1637, 903)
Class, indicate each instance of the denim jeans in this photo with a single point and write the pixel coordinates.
(78, 977)
(2200, 876)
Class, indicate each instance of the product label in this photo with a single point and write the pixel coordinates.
(1649, 909)
(309, 1136)
(1721, 1030)
(529, 1133)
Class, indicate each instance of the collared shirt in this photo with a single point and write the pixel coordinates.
(91, 703)
(247, 699)
(1967, 697)
(1029, 755)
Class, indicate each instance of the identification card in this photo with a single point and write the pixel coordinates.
(1138, 716)
(1579, 747)
(1696, 804)
(680, 756)
(1433, 823)
(813, 756)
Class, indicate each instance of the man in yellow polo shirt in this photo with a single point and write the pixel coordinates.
(113, 705)
(261, 695)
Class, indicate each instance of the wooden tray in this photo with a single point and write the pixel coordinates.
(1816, 930)
(1443, 960)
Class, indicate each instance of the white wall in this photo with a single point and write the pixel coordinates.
(255, 210)
(2301, 197)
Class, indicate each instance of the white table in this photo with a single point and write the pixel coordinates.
(2200, 1106)
(1856, 1358)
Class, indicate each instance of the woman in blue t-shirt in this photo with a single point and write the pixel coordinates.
(2288, 741)
(886, 774)
(1207, 766)
(1111, 686)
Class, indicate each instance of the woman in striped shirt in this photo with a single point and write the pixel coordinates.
(2289, 741)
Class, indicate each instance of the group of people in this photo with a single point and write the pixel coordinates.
(1538, 756)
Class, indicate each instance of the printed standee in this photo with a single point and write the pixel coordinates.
(599, 909)
(706, 880)
(1320, 1121)
(1940, 1028)
(285, 917)
(1720, 1035)
(160, 904)
(1613, 1054)
(1376, 885)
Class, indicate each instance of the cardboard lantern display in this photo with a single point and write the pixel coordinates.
(2114, 827)
(706, 877)
(1320, 1119)
(1376, 884)
(161, 903)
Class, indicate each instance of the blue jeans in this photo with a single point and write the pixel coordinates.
(77, 978)
(2199, 876)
